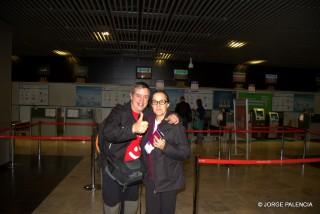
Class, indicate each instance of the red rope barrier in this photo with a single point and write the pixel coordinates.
(69, 138)
(5, 130)
(257, 162)
(69, 123)
(24, 125)
(246, 131)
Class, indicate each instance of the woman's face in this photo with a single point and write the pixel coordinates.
(159, 104)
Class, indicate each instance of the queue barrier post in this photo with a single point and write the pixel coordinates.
(12, 143)
(30, 129)
(39, 141)
(229, 144)
(196, 185)
(304, 145)
(92, 186)
(282, 145)
(219, 142)
(249, 141)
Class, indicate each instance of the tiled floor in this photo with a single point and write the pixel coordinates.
(30, 181)
(222, 189)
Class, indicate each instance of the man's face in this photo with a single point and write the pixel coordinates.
(139, 99)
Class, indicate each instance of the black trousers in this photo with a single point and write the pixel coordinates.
(113, 193)
(160, 202)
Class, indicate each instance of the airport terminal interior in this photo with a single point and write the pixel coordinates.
(64, 65)
(54, 181)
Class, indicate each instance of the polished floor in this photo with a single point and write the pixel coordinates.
(30, 181)
(222, 189)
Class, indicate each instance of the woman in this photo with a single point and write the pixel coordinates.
(165, 147)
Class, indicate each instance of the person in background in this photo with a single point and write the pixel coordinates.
(199, 120)
(221, 118)
(184, 111)
(123, 129)
(165, 147)
(304, 119)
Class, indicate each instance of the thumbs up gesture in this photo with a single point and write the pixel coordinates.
(140, 126)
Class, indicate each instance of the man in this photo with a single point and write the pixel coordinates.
(123, 130)
(184, 111)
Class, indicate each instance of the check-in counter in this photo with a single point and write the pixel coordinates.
(80, 122)
(46, 115)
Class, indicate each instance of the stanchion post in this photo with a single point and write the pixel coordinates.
(13, 142)
(282, 145)
(219, 143)
(247, 144)
(92, 186)
(39, 141)
(229, 144)
(30, 129)
(196, 185)
(248, 147)
(305, 145)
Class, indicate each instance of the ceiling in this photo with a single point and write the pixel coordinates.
(284, 32)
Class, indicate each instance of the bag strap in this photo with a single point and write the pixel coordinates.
(97, 144)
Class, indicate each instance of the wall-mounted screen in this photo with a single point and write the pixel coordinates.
(50, 112)
(180, 74)
(72, 113)
(259, 113)
(274, 116)
(239, 77)
(143, 72)
(271, 78)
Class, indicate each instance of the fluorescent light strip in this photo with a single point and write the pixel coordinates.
(101, 36)
(61, 53)
(236, 44)
(255, 62)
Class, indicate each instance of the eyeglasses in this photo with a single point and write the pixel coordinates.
(160, 102)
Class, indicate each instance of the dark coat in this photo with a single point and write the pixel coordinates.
(168, 163)
(118, 130)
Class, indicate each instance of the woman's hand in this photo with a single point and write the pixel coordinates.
(159, 143)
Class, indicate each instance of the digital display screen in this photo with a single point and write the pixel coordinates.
(143, 72)
(239, 77)
(274, 116)
(271, 78)
(259, 113)
(180, 74)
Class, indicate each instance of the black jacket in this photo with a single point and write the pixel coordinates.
(168, 163)
(118, 130)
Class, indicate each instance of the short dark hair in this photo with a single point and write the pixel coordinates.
(199, 102)
(163, 92)
(139, 85)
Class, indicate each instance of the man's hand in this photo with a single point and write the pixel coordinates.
(173, 119)
(140, 126)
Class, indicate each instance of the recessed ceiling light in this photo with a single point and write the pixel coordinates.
(106, 33)
(236, 44)
(164, 56)
(159, 61)
(101, 36)
(61, 53)
(257, 61)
